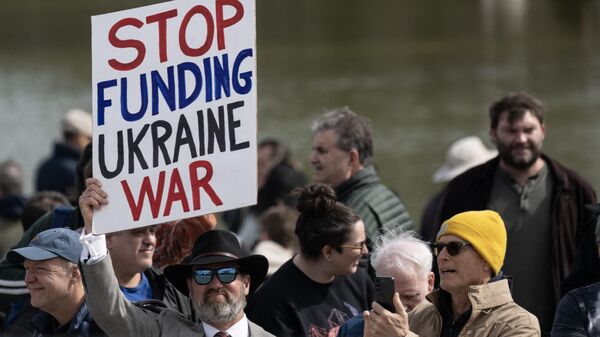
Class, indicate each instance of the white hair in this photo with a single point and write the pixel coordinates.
(403, 253)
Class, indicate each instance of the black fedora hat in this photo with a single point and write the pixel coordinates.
(217, 246)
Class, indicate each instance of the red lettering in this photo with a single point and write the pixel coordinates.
(131, 43)
(210, 27)
(197, 184)
(222, 24)
(176, 193)
(162, 18)
(145, 190)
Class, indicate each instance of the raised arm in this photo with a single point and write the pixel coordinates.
(113, 313)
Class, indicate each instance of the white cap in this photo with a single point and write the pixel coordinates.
(461, 156)
(77, 121)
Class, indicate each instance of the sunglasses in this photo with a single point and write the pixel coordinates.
(453, 247)
(205, 276)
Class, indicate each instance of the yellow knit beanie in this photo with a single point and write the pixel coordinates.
(484, 230)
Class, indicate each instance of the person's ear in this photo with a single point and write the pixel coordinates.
(493, 136)
(189, 285)
(354, 157)
(246, 282)
(109, 242)
(75, 274)
(430, 281)
(327, 251)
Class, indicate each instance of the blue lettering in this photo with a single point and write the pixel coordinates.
(246, 76)
(221, 76)
(208, 74)
(195, 70)
(102, 102)
(128, 116)
(167, 91)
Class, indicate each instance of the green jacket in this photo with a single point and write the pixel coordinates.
(379, 207)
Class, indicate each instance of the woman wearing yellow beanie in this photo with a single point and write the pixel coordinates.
(474, 299)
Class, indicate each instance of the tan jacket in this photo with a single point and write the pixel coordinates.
(494, 314)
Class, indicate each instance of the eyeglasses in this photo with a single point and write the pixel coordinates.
(205, 276)
(453, 247)
(359, 245)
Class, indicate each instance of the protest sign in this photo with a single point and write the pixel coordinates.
(174, 108)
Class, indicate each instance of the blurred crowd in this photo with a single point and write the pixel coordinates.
(508, 246)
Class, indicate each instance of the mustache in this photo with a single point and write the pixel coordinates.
(216, 291)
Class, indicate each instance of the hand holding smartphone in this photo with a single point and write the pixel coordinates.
(384, 292)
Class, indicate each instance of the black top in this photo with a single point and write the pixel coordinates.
(289, 303)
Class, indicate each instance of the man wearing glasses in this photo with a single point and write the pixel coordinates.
(473, 299)
(215, 276)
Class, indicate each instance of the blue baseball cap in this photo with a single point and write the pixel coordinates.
(51, 243)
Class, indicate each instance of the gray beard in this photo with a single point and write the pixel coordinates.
(221, 312)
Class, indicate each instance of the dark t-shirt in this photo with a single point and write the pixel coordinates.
(289, 303)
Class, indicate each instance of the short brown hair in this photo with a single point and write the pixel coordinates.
(516, 105)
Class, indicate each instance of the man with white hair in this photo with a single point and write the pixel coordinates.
(406, 259)
(57, 173)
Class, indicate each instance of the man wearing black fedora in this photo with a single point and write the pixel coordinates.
(216, 276)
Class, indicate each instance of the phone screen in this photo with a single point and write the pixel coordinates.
(384, 292)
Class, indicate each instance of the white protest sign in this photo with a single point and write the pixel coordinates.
(174, 108)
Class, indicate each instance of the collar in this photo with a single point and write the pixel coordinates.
(483, 297)
(44, 322)
(239, 329)
(368, 175)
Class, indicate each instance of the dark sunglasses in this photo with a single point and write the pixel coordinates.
(205, 276)
(453, 247)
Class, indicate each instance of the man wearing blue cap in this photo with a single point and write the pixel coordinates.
(54, 282)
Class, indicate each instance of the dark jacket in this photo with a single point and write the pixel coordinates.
(378, 207)
(57, 173)
(81, 325)
(471, 191)
(578, 313)
(45, 325)
(165, 292)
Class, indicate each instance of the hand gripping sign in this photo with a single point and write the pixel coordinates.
(174, 107)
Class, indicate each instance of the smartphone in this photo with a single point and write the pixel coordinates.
(384, 292)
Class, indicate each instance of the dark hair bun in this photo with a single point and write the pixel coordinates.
(315, 200)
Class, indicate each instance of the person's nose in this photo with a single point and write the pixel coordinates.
(364, 250)
(522, 137)
(313, 158)
(442, 254)
(29, 276)
(150, 238)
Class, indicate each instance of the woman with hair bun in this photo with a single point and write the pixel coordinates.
(320, 288)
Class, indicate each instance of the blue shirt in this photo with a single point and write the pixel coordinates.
(141, 292)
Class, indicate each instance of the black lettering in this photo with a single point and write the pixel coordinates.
(102, 158)
(216, 131)
(201, 144)
(232, 125)
(134, 148)
(158, 142)
(187, 139)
